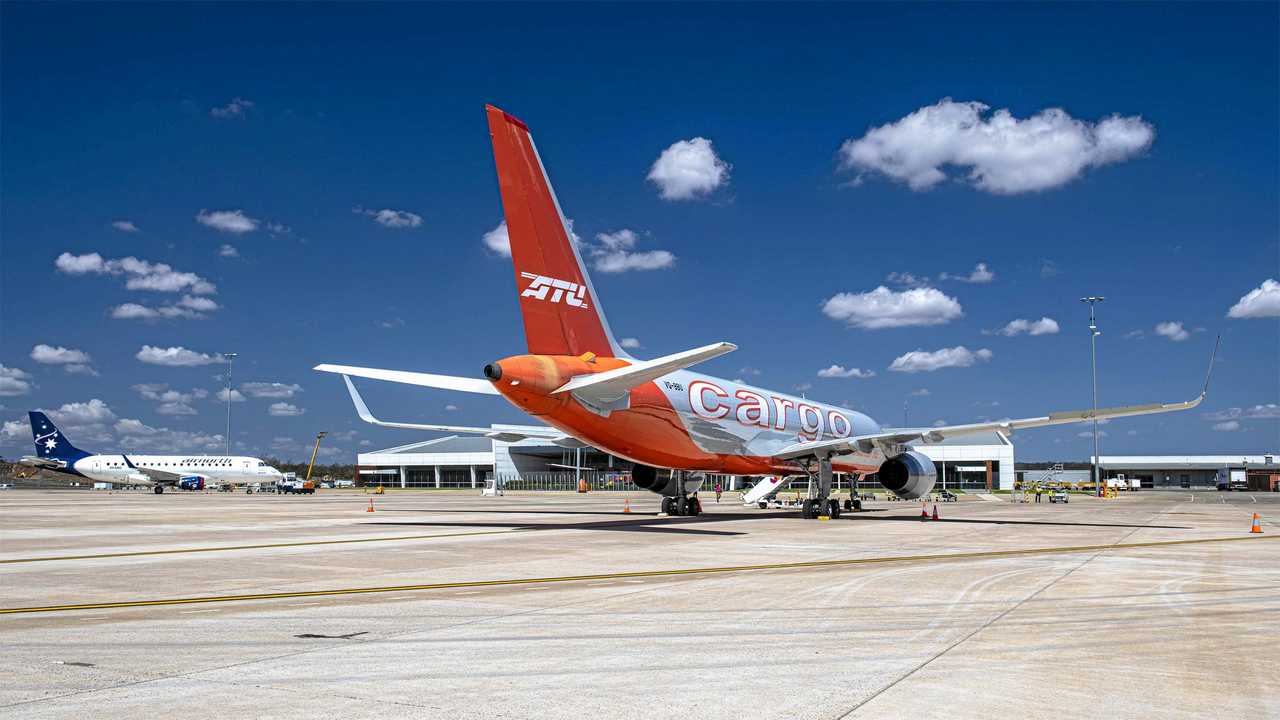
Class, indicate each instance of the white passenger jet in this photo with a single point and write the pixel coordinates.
(187, 472)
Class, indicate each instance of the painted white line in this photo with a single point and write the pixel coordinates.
(193, 612)
(1253, 498)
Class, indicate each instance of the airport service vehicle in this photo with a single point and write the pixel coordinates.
(55, 452)
(673, 424)
(344, 483)
(761, 492)
(291, 485)
(948, 496)
(1058, 496)
(1232, 480)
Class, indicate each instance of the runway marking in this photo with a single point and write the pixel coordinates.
(220, 548)
(633, 575)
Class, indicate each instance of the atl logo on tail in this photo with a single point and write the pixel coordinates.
(570, 293)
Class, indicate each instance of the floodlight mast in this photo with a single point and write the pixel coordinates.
(1094, 332)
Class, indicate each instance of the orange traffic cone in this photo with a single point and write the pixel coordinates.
(1257, 524)
(924, 512)
(626, 505)
(935, 511)
(370, 505)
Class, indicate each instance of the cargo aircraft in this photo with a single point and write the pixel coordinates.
(674, 424)
(187, 472)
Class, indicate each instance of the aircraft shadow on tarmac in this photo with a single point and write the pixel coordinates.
(916, 518)
(640, 525)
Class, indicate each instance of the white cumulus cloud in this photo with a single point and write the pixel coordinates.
(49, 355)
(1269, 411)
(1228, 426)
(1043, 326)
(981, 274)
(270, 389)
(613, 253)
(391, 218)
(76, 362)
(221, 396)
(497, 240)
(233, 110)
(1003, 154)
(689, 169)
(629, 343)
(227, 221)
(1172, 330)
(1261, 302)
(138, 274)
(284, 409)
(922, 361)
(839, 371)
(885, 308)
(125, 226)
(14, 381)
(176, 356)
(228, 251)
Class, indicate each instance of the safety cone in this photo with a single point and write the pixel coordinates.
(935, 511)
(924, 512)
(1257, 524)
(626, 505)
(370, 505)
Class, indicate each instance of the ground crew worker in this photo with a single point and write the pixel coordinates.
(1037, 494)
(718, 491)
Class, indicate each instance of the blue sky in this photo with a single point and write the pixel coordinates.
(310, 119)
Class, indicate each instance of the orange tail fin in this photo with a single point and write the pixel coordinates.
(562, 314)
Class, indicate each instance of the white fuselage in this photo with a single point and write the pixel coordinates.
(214, 469)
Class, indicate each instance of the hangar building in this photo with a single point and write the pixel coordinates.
(976, 462)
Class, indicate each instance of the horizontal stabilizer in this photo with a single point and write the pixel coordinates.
(607, 387)
(444, 382)
(362, 410)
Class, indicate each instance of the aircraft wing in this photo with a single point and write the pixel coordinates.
(444, 382)
(551, 434)
(160, 477)
(42, 463)
(898, 436)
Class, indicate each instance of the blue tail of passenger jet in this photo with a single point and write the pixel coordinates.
(51, 444)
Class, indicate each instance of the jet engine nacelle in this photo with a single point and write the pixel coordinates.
(910, 475)
(665, 482)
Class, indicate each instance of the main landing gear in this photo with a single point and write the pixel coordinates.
(821, 504)
(682, 505)
(159, 489)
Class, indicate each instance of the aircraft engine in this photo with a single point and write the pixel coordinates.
(664, 482)
(910, 475)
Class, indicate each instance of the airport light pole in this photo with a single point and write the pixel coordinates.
(1094, 332)
(230, 359)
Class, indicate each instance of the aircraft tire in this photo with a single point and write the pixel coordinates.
(159, 489)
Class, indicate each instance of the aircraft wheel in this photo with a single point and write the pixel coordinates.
(668, 506)
(808, 511)
(857, 505)
(681, 506)
(159, 489)
(695, 506)
(833, 509)
(763, 505)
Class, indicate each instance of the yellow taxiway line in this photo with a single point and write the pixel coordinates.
(220, 548)
(625, 575)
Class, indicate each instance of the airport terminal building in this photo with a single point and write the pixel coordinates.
(983, 461)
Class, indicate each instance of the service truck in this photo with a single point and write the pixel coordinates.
(291, 485)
